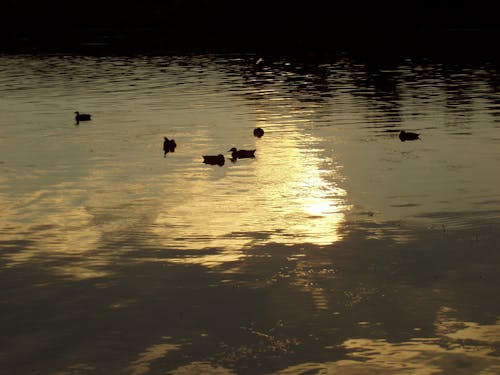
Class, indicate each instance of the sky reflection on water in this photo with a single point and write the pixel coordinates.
(337, 249)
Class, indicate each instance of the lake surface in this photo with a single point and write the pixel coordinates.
(337, 249)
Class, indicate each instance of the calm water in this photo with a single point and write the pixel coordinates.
(338, 249)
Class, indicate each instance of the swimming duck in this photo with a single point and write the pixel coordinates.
(82, 117)
(241, 154)
(408, 136)
(258, 132)
(214, 159)
(169, 145)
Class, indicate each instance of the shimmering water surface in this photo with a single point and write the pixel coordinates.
(337, 249)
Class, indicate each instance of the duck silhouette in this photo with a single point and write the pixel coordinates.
(258, 132)
(214, 159)
(242, 154)
(408, 136)
(169, 145)
(82, 117)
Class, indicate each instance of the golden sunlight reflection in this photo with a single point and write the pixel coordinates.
(52, 223)
(466, 332)
(146, 358)
(468, 350)
(71, 225)
(288, 194)
(202, 368)
(459, 348)
(114, 194)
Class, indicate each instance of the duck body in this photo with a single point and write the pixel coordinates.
(258, 132)
(214, 159)
(242, 154)
(408, 136)
(82, 117)
(169, 145)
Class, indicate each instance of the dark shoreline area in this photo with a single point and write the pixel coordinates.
(446, 44)
(199, 26)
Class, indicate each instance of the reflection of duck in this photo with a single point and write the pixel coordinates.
(241, 154)
(258, 132)
(407, 136)
(214, 159)
(169, 145)
(82, 117)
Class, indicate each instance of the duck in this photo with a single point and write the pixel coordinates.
(241, 154)
(214, 159)
(258, 132)
(408, 136)
(169, 145)
(82, 117)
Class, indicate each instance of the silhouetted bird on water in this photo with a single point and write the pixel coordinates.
(82, 117)
(258, 132)
(214, 159)
(241, 154)
(408, 136)
(169, 145)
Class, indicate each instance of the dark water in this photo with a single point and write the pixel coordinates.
(337, 249)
